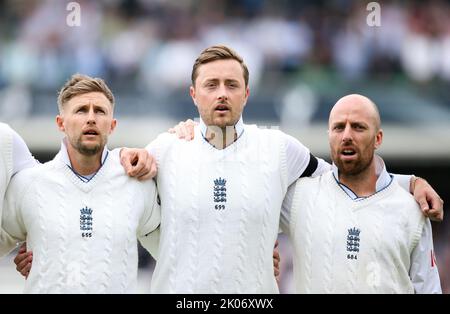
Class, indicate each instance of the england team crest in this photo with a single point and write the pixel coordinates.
(353, 240)
(220, 193)
(86, 222)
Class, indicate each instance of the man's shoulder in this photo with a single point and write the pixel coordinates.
(116, 170)
(6, 137)
(4, 127)
(266, 130)
(266, 133)
(275, 134)
(402, 197)
(167, 138)
(307, 186)
(162, 141)
(317, 180)
(29, 176)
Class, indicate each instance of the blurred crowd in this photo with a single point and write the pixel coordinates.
(148, 46)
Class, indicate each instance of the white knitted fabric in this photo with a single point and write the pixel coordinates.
(219, 213)
(6, 157)
(51, 208)
(328, 258)
(6, 169)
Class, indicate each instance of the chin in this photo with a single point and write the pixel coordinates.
(220, 123)
(90, 150)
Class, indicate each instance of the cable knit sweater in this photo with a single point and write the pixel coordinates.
(83, 235)
(6, 168)
(343, 246)
(219, 213)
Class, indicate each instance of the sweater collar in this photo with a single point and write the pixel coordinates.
(239, 127)
(384, 178)
(66, 160)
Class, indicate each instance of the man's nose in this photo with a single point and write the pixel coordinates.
(91, 117)
(222, 93)
(347, 134)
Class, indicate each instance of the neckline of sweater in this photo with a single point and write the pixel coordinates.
(85, 186)
(360, 202)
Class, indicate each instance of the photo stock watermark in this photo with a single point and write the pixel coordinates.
(73, 19)
(374, 17)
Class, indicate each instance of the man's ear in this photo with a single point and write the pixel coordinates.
(192, 93)
(113, 125)
(378, 138)
(60, 123)
(247, 94)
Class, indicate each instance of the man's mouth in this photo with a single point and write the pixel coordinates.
(222, 108)
(348, 152)
(90, 132)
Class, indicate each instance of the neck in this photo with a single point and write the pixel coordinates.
(84, 164)
(221, 138)
(363, 183)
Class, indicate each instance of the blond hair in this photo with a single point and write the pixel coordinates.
(218, 52)
(80, 84)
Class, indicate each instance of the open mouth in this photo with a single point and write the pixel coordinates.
(348, 152)
(90, 132)
(222, 108)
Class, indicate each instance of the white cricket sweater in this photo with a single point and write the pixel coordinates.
(83, 235)
(219, 213)
(6, 168)
(6, 158)
(343, 246)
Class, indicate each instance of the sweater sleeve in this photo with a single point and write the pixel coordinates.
(22, 157)
(424, 273)
(285, 215)
(300, 162)
(150, 219)
(12, 227)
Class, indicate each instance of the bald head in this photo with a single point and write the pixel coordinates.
(354, 134)
(360, 104)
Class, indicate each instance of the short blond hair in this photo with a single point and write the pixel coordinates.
(218, 52)
(80, 84)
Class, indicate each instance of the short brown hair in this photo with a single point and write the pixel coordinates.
(80, 84)
(219, 52)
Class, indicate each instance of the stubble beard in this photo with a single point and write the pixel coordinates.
(88, 150)
(353, 169)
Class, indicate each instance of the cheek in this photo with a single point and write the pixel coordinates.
(106, 125)
(334, 141)
(205, 106)
(70, 126)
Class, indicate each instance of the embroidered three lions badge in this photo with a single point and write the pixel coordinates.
(86, 222)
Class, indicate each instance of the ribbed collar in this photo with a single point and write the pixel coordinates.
(384, 178)
(239, 127)
(65, 158)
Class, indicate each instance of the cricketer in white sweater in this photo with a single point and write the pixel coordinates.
(220, 209)
(83, 230)
(6, 158)
(347, 244)
(14, 157)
